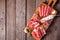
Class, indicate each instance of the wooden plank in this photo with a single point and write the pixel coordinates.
(20, 19)
(38, 2)
(11, 20)
(2, 19)
(58, 28)
(31, 6)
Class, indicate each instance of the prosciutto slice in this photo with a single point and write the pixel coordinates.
(38, 33)
(44, 10)
(33, 24)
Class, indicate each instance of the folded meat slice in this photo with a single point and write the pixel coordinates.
(38, 33)
(33, 24)
(45, 11)
(41, 31)
(36, 17)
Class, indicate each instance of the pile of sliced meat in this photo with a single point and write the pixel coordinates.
(40, 21)
(44, 11)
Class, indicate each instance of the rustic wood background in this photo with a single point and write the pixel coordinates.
(14, 15)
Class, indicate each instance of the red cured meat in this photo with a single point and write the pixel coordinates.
(36, 18)
(38, 33)
(41, 30)
(44, 11)
(33, 24)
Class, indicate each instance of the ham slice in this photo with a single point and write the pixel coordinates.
(38, 33)
(36, 17)
(33, 24)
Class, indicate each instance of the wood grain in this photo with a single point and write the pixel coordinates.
(38, 2)
(15, 14)
(31, 6)
(20, 19)
(57, 24)
(11, 20)
(2, 19)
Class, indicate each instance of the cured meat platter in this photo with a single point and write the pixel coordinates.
(40, 21)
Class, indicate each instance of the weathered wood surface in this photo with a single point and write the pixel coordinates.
(2, 19)
(15, 14)
(20, 19)
(11, 20)
(58, 28)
